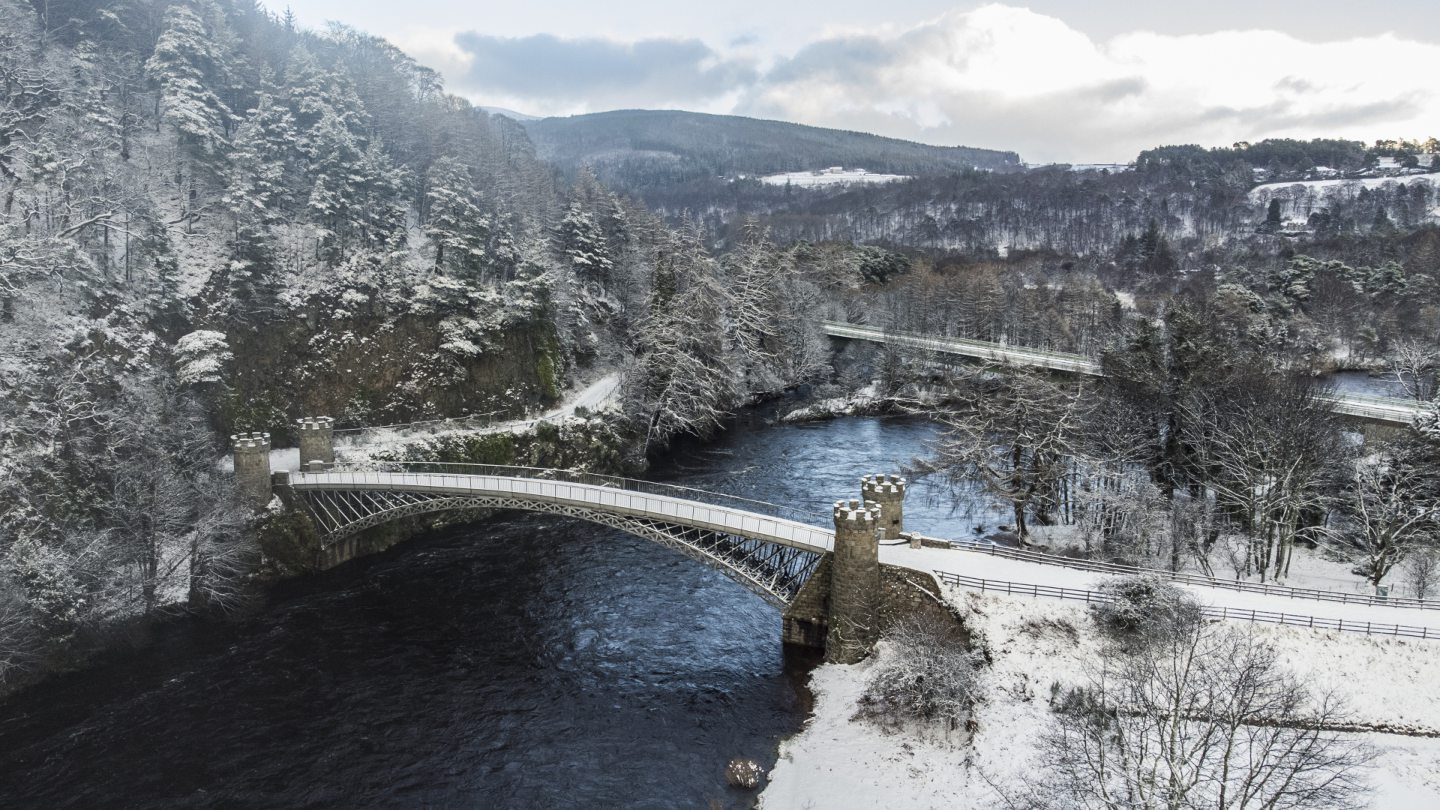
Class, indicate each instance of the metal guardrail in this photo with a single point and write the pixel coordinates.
(1060, 361)
(1193, 579)
(814, 517)
(1237, 614)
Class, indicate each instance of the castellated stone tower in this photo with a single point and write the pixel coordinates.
(888, 493)
(854, 583)
(317, 440)
(252, 467)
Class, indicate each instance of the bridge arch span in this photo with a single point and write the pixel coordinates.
(771, 554)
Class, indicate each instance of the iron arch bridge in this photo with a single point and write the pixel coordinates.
(769, 549)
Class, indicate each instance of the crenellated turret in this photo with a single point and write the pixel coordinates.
(888, 493)
(317, 440)
(252, 467)
(854, 582)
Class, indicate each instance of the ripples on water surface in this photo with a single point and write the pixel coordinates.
(530, 661)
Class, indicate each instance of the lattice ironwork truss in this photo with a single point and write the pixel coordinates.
(774, 571)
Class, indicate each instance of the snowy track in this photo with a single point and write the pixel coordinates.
(1028, 578)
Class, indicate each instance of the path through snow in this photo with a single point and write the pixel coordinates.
(984, 566)
(361, 446)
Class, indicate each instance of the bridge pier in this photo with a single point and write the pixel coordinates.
(854, 583)
(317, 440)
(252, 468)
(841, 608)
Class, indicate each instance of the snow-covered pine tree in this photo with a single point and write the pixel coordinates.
(683, 382)
(582, 248)
(264, 163)
(186, 66)
(456, 225)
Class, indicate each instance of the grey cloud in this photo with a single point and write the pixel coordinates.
(1295, 84)
(1283, 114)
(852, 60)
(1119, 89)
(1091, 122)
(600, 70)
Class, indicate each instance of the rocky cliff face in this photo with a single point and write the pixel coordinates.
(367, 371)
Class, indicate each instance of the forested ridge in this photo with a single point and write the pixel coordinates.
(1201, 198)
(649, 153)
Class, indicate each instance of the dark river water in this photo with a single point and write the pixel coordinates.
(529, 661)
(1361, 382)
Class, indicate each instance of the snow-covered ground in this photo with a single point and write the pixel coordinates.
(1309, 568)
(358, 447)
(1260, 192)
(838, 763)
(829, 177)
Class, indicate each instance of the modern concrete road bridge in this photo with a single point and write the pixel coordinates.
(1387, 410)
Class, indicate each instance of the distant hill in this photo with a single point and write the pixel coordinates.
(511, 114)
(650, 149)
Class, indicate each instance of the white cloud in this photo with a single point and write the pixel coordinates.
(998, 76)
(433, 47)
(1010, 78)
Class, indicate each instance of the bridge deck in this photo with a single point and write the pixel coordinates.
(1380, 409)
(802, 537)
(610, 499)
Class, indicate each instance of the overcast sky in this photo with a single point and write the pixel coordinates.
(1075, 80)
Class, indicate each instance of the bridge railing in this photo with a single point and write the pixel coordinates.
(1063, 361)
(810, 517)
(1209, 611)
(983, 547)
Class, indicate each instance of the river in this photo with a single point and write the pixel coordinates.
(529, 661)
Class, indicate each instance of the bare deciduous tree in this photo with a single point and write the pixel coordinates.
(1203, 717)
(1015, 432)
(1386, 516)
(1413, 364)
(1267, 446)
(1422, 570)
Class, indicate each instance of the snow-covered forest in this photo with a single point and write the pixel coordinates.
(213, 221)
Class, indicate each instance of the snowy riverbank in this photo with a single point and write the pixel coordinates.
(838, 762)
(866, 401)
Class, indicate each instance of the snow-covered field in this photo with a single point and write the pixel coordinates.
(829, 177)
(1261, 192)
(839, 763)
